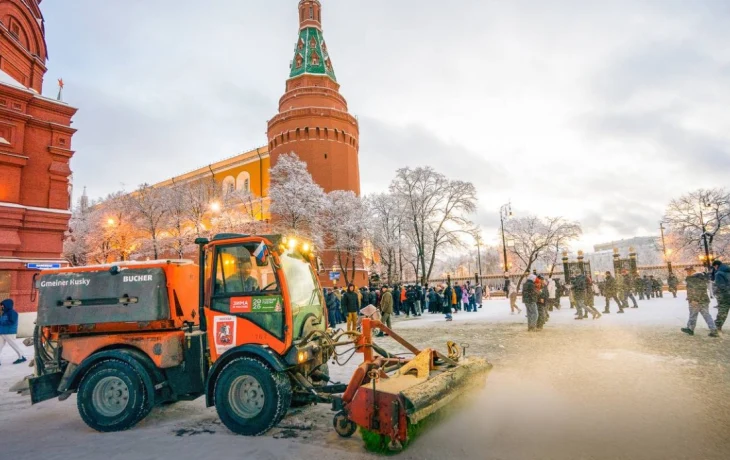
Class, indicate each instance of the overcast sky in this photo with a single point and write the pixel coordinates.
(598, 111)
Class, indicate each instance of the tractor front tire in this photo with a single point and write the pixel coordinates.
(250, 397)
(112, 396)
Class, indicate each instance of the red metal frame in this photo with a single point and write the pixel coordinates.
(378, 411)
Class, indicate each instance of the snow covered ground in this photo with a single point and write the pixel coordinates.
(625, 386)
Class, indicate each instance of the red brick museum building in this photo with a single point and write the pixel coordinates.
(35, 149)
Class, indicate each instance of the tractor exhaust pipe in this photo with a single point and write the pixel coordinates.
(201, 242)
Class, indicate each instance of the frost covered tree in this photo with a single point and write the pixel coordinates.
(345, 232)
(148, 208)
(536, 238)
(113, 234)
(243, 212)
(296, 201)
(436, 211)
(179, 233)
(77, 238)
(703, 211)
(384, 220)
(199, 196)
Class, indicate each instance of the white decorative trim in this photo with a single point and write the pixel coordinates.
(33, 261)
(12, 154)
(34, 208)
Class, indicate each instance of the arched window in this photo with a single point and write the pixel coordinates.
(243, 182)
(229, 185)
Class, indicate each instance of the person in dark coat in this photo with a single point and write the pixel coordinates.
(434, 302)
(351, 304)
(611, 292)
(449, 297)
(331, 304)
(542, 299)
(418, 299)
(459, 295)
(647, 287)
(9, 328)
(410, 302)
(529, 298)
(722, 292)
(479, 295)
(699, 302)
(672, 283)
(396, 300)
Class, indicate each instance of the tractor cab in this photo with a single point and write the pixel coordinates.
(260, 290)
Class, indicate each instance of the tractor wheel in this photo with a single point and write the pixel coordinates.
(343, 425)
(112, 396)
(250, 397)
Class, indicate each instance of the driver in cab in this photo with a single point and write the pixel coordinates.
(241, 280)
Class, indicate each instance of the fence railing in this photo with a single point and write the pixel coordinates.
(496, 280)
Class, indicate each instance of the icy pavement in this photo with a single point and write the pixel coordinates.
(628, 386)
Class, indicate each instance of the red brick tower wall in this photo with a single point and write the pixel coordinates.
(314, 123)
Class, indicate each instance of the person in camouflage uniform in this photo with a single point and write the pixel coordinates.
(673, 282)
(699, 302)
(625, 290)
(647, 287)
(610, 290)
(591, 289)
(657, 286)
(639, 287)
(580, 289)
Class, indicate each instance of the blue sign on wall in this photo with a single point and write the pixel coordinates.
(334, 276)
(42, 266)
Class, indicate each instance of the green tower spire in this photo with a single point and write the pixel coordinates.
(310, 54)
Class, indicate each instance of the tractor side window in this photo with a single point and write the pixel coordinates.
(238, 273)
(247, 287)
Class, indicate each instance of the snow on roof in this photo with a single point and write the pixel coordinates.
(10, 81)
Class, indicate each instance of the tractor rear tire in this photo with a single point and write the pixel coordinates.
(112, 396)
(250, 397)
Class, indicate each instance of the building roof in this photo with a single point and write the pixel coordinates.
(311, 56)
(219, 166)
(6, 79)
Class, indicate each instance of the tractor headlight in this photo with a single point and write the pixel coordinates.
(301, 357)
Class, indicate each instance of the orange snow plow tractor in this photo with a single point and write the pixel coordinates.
(246, 327)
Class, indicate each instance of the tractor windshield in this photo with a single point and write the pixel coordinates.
(304, 291)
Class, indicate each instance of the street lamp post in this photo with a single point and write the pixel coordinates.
(477, 237)
(664, 248)
(504, 212)
(704, 233)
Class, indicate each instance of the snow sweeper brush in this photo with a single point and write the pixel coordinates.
(393, 399)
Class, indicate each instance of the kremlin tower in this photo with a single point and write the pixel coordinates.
(313, 121)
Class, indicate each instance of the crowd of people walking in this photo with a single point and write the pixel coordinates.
(540, 295)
